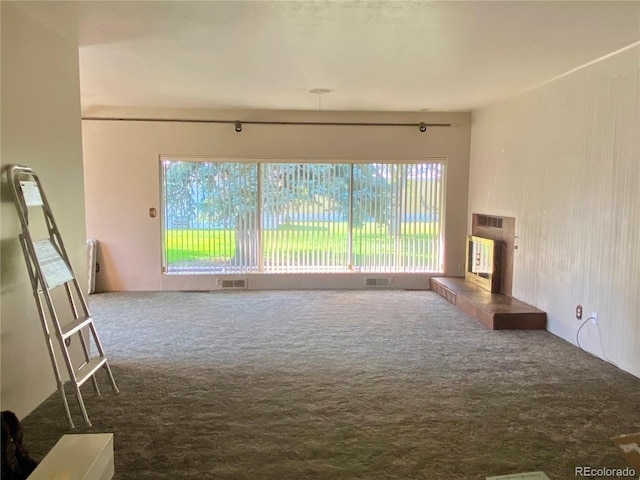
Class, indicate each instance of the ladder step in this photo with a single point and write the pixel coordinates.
(88, 369)
(72, 327)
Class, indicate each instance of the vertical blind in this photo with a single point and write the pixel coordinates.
(242, 217)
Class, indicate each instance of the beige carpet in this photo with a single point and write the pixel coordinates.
(370, 384)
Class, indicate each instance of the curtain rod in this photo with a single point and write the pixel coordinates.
(422, 126)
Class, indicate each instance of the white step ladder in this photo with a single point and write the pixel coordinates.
(49, 267)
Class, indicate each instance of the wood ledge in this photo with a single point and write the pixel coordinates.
(495, 310)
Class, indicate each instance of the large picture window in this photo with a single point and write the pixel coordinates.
(242, 217)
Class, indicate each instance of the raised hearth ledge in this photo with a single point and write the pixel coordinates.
(495, 310)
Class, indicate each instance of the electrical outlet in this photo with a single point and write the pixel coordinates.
(594, 317)
(579, 312)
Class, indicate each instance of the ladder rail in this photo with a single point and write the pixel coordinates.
(23, 179)
(45, 329)
(54, 234)
(66, 355)
(94, 332)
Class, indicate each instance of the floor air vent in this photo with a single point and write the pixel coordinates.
(377, 282)
(233, 284)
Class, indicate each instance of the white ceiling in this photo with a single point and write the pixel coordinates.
(375, 56)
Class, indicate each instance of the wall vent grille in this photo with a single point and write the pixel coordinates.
(488, 221)
(233, 284)
(376, 282)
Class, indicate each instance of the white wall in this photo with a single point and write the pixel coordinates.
(564, 160)
(41, 128)
(122, 181)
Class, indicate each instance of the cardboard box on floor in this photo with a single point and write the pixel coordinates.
(629, 445)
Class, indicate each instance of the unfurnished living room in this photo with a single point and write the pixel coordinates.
(320, 240)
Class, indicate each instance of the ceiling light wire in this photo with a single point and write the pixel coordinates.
(320, 92)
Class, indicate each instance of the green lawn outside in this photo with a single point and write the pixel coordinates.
(303, 240)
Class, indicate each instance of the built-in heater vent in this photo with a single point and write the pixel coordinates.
(237, 284)
(487, 221)
(377, 282)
